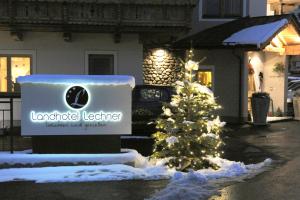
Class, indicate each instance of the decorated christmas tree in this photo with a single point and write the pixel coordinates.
(188, 130)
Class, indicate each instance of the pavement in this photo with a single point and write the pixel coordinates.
(279, 141)
(110, 190)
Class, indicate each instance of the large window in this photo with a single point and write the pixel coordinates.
(222, 8)
(12, 67)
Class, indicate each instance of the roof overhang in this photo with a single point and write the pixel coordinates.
(280, 36)
(280, 33)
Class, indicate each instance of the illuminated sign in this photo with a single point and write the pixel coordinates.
(56, 116)
(61, 107)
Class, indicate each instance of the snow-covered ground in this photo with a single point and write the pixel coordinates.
(188, 186)
(27, 158)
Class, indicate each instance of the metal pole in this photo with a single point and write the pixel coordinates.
(3, 122)
(11, 102)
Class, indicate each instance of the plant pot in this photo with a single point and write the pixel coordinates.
(296, 106)
(260, 107)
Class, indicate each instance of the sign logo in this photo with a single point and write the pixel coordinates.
(77, 97)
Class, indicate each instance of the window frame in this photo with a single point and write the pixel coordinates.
(9, 56)
(208, 68)
(244, 8)
(87, 53)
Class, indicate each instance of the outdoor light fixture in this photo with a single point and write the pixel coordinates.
(160, 54)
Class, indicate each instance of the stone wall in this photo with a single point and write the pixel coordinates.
(161, 67)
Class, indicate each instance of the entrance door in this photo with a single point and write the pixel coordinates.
(100, 64)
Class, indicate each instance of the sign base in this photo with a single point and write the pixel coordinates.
(76, 144)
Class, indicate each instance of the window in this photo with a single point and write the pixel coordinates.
(205, 76)
(222, 8)
(101, 64)
(11, 67)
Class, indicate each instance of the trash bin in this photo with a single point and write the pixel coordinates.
(296, 105)
(260, 103)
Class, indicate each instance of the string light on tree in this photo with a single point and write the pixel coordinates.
(188, 131)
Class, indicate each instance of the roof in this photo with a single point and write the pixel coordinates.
(141, 2)
(237, 33)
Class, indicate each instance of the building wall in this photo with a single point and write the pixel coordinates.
(257, 8)
(227, 82)
(252, 8)
(273, 83)
(52, 55)
(161, 67)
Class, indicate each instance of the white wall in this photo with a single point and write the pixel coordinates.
(257, 62)
(52, 55)
(273, 83)
(227, 85)
(252, 8)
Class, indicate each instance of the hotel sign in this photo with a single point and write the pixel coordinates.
(76, 105)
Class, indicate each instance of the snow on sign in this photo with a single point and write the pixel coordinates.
(76, 104)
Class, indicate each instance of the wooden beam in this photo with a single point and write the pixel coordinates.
(281, 39)
(292, 50)
(271, 48)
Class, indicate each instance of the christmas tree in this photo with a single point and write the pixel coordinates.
(188, 131)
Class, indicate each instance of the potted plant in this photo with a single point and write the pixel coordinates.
(279, 68)
(296, 105)
(260, 103)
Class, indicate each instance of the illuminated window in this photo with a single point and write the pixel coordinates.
(3, 74)
(205, 76)
(11, 67)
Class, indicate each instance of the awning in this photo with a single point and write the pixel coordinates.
(280, 33)
(256, 35)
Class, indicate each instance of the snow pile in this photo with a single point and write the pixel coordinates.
(142, 169)
(255, 35)
(109, 80)
(25, 157)
(115, 172)
(128, 156)
(189, 186)
(202, 183)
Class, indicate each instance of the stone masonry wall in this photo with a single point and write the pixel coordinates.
(160, 67)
